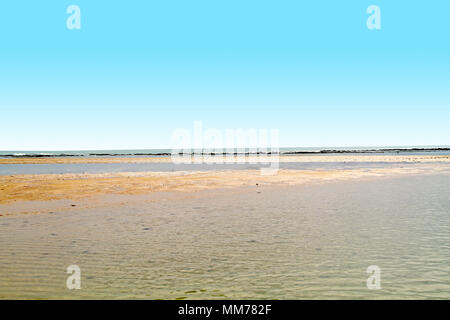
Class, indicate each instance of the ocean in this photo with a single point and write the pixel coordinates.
(413, 150)
(299, 242)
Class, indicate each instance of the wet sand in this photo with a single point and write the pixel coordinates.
(18, 192)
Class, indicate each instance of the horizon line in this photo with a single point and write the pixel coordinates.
(373, 147)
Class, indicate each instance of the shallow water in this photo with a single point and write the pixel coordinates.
(302, 242)
(82, 168)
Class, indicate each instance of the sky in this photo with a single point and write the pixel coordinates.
(136, 71)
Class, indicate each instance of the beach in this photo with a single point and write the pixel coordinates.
(308, 232)
(20, 193)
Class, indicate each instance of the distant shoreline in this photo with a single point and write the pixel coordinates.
(31, 154)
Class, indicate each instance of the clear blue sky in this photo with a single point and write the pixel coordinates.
(137, 70)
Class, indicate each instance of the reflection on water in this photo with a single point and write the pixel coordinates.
(303, 242)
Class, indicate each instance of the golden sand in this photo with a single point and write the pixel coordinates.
(77, 186)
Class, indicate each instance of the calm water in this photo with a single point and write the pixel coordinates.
(14, 169)
(287, 243)
(60, 168)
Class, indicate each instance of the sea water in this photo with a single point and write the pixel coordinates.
(304, 242)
